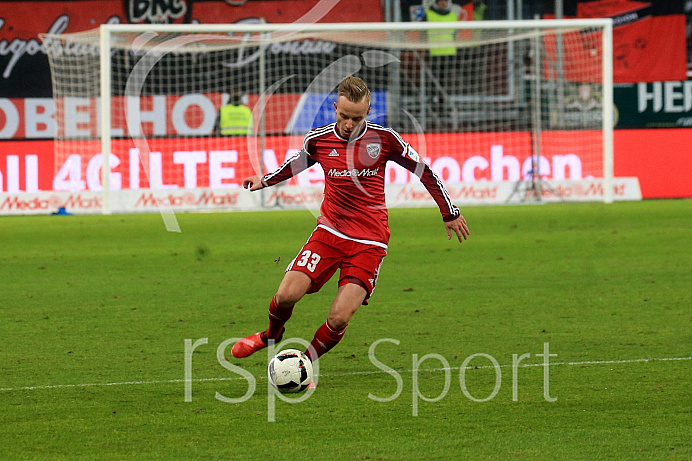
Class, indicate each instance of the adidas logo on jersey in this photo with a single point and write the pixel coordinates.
(333, 153)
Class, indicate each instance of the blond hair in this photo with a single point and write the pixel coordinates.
(354, 89)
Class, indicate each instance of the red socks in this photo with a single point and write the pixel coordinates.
(325, 339)
(278, 316)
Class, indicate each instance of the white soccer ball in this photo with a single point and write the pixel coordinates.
(290, 371)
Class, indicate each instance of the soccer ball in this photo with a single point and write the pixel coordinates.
(290, 371)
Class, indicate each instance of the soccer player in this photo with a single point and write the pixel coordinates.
(352, 232)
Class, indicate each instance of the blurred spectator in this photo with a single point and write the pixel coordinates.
(443, 59)
(479, 8)
(235, 118)
(440, 11)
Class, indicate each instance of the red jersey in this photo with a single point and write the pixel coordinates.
(354, 201)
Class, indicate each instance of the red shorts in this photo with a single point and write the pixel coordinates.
(325, 252)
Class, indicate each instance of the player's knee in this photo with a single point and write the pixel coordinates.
(339, 320)
(288, 297)
(293, 287)
(337, 323)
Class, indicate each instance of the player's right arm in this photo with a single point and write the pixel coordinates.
(293, 165)
(253, 183)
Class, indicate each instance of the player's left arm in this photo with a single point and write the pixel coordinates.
(458, 226)
(453, 220)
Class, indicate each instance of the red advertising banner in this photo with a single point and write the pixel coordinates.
(659, 158)
(189, 163)
(26, 166)
(24, 20)
(649, 40)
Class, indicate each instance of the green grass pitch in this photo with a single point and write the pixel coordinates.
(95, 312)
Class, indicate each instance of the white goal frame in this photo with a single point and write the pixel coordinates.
(107, 31)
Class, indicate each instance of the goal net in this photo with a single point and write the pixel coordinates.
(521, 105)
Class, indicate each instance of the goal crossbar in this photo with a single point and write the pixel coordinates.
(538, 24)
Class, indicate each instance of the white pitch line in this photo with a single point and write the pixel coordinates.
(594, 362)
(125, 383)
(200, 380)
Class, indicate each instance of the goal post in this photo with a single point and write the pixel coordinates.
(105, 116)
(493, 102)
(608, 108)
